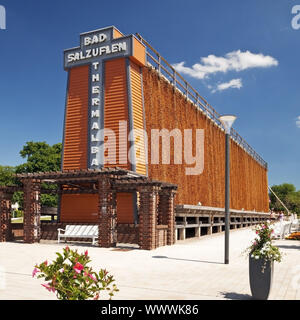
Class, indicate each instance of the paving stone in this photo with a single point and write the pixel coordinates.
(191, 270)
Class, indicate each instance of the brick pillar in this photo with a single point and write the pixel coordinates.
(166, 213)
(148, 217)
(107, 214)
(32, 210)
(5, 224)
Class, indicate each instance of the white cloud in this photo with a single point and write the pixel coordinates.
(298, 122)
(234, 83)
(232, 61)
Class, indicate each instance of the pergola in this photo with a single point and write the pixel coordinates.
(156, 203)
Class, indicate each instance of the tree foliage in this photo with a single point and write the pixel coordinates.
(7, 176)
(288, 194)
(40, 157)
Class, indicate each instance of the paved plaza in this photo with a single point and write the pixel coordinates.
(191, 269)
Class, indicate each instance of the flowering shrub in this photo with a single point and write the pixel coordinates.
(294, 236)
(262, 247)
(70, 278)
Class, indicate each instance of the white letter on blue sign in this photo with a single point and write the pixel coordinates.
(96, 77)
(95, 90)
(95, 114)
(95, 102)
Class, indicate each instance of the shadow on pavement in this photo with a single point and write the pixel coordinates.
(236, 296)
(179, 259)
(288, 247)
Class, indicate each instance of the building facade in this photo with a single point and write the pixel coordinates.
(127, 107)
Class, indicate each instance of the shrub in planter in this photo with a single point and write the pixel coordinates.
(262, 254)
(70, 278)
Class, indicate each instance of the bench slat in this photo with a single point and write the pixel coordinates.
(80, 231)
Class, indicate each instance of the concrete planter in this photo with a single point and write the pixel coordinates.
(260, 282)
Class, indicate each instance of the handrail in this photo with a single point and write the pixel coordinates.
(169, 72)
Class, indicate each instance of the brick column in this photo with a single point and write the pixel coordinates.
(32, 210)
(148, 217)
(166, 213)
(5, 210)
(107, 214)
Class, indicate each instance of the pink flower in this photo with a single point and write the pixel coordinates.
(34, 272)
(61, 270)
(92, 277)
(78, 267)
(46, 263)
(48, 287)
(67, 248)
(86, 253)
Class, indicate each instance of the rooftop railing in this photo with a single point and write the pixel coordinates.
(171, 75)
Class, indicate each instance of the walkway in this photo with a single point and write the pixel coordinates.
(192, 269)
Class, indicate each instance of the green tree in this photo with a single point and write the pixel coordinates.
(287, 193)
(293, 201)
(7, 176)
(41, 157)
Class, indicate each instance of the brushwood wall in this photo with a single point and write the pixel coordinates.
(167, 108)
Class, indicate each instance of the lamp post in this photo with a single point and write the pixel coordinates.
(227, 122)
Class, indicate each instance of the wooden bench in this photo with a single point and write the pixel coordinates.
(79, 231)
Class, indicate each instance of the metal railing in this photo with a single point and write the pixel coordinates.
(170, 74)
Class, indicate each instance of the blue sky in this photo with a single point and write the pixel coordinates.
(251, 51)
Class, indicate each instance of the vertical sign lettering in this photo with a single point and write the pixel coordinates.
(95, 108)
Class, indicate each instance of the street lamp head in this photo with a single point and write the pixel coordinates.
(227, 122)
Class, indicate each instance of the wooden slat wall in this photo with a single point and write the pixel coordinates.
(115, 110)
(79, 208)
(125, 213)
(117, 34)
(166, 108)
(76, 121)
(138, 116)
(139, 53)
(116, 105)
